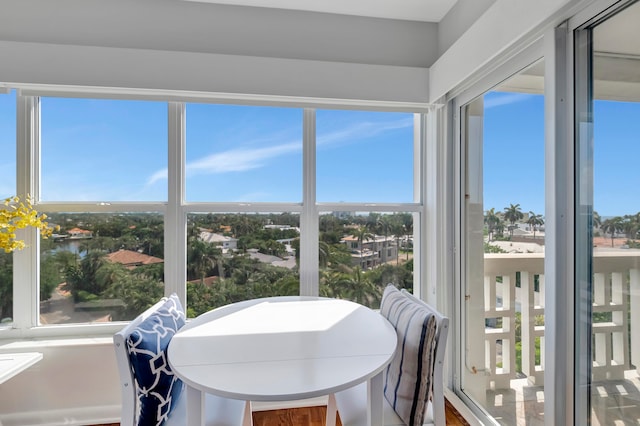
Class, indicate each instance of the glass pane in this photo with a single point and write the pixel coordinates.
(244, 153)
(101, 267)
(364, 156)
(235, 256)
(7, 189)
(103, 150)
(8, 144)
(360, 253)
(6, 288)
(615, 262)
(504, 285)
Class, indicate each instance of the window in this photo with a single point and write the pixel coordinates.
(365, 157)
(221, 210)
(100, 165)
(101, 267)
(103, 150)
(8, 144)
(361, 252)
(243, 153)
(504, 240)
(238, 256)
(7, 189)
(607, 220)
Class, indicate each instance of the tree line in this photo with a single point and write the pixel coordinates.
(497, 222)
(214, 278)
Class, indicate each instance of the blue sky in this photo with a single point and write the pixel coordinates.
(111, 150)
(513, 151)
(7, 145)
(107, 150)
(514, 154)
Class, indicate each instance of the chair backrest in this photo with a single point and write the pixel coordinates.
(130, 407)
(437, 382)
(414, 376)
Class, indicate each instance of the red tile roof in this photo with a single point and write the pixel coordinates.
(208, 281)
(132, 258)
(78, 231)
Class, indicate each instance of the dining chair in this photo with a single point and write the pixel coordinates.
(151, 393)
(413, 381)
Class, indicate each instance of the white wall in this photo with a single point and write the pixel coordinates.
(505, 24)
(461, 16)
(212, 28)
(75, 383)
(38, 63)
(180, 45)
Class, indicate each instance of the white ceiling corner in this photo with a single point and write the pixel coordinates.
(412, 10)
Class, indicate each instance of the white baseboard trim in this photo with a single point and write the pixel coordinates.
(68, 417)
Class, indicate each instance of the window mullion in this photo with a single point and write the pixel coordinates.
(175, 229)
(309, 279)
(26, 268)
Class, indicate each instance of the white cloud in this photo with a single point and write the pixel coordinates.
(160, 175)
(506, 99)
(234, 160)
(241, 159)
(362, 130)
(252, 196)
(249, 158)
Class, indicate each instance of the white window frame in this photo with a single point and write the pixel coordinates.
(175, 209)
(501, 71)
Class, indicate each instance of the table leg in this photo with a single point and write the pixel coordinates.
(375, 395)
(195, 406)
(247, 419)
(332, 410)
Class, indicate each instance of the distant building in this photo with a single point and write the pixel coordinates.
(79, 234)
(132, 259)
(288, 262)
(227, 243)
(283, 227)
(343, 215)
(371, 252)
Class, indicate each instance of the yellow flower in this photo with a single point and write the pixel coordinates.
(17, 215)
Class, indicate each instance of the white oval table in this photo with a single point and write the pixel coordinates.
(283, 348)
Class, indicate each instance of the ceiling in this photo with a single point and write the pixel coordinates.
(411, 10)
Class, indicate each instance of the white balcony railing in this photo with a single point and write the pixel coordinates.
(616, 327)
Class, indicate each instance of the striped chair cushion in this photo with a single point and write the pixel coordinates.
(408, 376)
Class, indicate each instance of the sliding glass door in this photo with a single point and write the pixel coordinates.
(503, 208)
(608, 220)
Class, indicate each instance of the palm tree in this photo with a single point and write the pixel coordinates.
(323, 254)
(611, 226)
(407, 223)
(513, 213)
(597, 220)
(385, 224)
(398, 233)
(203, 258)
(534, 221)
(361, 233)
(630, 226)
(492, 220)
(361, 289)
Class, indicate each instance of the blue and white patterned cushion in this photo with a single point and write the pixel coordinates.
(408, 376)
(157, 388)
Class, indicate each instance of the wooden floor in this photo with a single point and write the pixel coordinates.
(315, 416)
